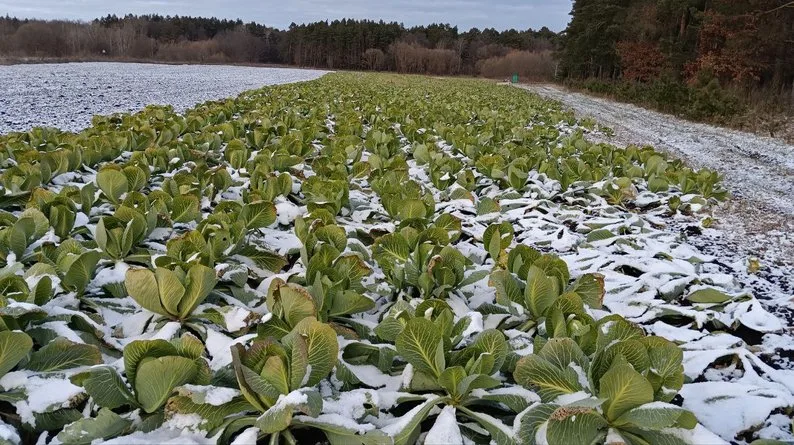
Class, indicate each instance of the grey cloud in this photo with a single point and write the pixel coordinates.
(499, 14)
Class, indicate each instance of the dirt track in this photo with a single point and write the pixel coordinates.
(758, 171)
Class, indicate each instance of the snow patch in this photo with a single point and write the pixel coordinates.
(446, 430)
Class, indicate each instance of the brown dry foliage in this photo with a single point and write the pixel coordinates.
(411, 58)
(530, 66)
(374, 59)
(641, 61)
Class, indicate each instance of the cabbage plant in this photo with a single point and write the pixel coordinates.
(277, 377)
(62, 213)
(497, 238)
(16, 234)
(383, 143)
(622, 390)
(443, 168)
(329, 194)
(405, 200)
(236, 154)
(118, 238)
(75, 265)
(22, 178)
(333, 280)
(222, 236)
(550, 302)
(436, 310)
(421, 261)
(153, 369)
(458, 378)
(14, 347)
(323, 241)
(16, 288)
(174, 294)
(113, 183)
(268, 186)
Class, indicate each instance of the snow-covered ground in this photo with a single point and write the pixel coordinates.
(758, 171)
(756, 224)
(67, 95)
(738, 355)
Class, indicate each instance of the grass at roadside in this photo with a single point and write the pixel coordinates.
(705, 101)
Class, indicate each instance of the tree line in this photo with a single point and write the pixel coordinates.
(705, 59)
(339, 44)
(710, 56)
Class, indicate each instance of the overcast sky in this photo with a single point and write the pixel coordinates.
(499, 14)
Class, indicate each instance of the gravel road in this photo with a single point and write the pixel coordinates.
(758, 171)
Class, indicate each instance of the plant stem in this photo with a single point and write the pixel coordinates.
(289, 438)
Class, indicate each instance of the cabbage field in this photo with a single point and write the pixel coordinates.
(372, 259)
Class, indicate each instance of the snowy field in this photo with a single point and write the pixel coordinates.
(505, 264)
(67, 95)
(755, 225)
(759, 171)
